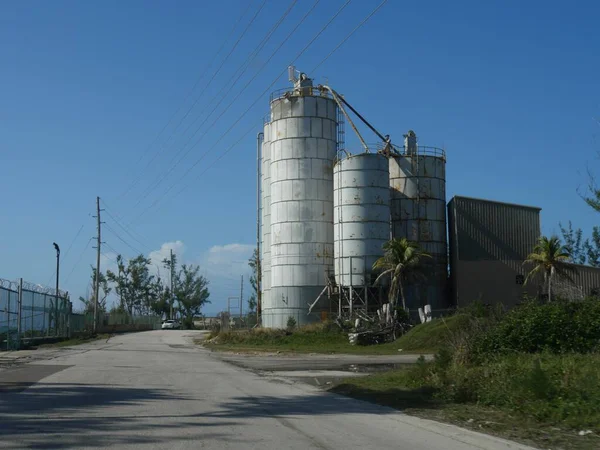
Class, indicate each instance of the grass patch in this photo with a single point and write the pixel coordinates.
(75, 341)
(542, 399)
(317, 338)
(321, 338)
(431, 336)
(328, 338)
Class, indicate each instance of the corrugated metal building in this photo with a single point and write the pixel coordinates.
(586, 282)
(489, 241)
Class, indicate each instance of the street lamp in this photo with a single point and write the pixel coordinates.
(57, 248)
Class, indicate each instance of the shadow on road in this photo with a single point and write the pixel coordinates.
(69, 416)
(421, 398)
(61, 416)
(319, 404)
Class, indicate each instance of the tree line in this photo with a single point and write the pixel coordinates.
(139, 292)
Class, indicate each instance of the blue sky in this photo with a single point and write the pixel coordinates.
(509, 88)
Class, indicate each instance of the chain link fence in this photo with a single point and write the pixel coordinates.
(115, 321)
(29, 312)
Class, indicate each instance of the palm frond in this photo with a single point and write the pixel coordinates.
(382, 275)
(548, 256)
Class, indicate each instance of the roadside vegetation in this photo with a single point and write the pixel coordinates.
(530, 374)
(141, 293)
(83, 339)
(328, 337)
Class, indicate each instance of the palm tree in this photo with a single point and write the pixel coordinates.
(403, 260)
(549, 258)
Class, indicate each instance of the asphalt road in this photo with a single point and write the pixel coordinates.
(157, 390)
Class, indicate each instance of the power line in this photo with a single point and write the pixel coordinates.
(122, 220)
(211, 165)
(78, 261)
(207, 85)
(156, 201)
(123, 240)
(190, 168)
(125, 229)
(238, 95)
(313, 71)
(349, 35)
(114, 251)
(243, 68)
(200, 78)
(306, 47)
(108, 257)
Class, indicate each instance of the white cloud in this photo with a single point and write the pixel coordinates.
(229, 253)
(223, 265)
(226, 261)
(157, 256)
(108, 261)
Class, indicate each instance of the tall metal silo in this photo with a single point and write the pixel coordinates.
(361, 219)
(265, 253)
(418, 207)
(303, 131)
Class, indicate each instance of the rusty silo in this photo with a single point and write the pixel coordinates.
(418, 209)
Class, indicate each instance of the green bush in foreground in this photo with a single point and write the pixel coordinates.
(551, 388)
(556, 327)
(538, 360)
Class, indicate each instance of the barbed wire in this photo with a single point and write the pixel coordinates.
(9, 285)
(30, 287)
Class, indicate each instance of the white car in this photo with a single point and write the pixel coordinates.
(170, 325)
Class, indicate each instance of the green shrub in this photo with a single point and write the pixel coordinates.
(188, 323)
(556, 327)
(443, 361)
(555, 388)
(291, 323)
(559, 389)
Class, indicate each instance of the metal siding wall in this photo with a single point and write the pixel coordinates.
(453, 255)
(488, 243)
(491, 282)
(492, 230)
(418, 211)
(303, 146)
(361, 216)
(588, 279)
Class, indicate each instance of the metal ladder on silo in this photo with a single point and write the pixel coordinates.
(341, 132)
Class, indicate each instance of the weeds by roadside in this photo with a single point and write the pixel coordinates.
(535, 368)
(76, 341)
(327, 337)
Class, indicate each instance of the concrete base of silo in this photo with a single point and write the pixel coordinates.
(278, 314)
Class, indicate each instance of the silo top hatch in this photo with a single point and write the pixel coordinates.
(302, 87)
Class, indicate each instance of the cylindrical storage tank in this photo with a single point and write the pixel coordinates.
(265, 256)
(418, 208)
(303, 146)
(361, 216)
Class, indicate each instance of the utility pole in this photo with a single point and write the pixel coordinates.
(241, 295)
(57, 248)
(171, 282)
(97, 281)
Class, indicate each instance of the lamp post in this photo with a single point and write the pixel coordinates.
(57, 248)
